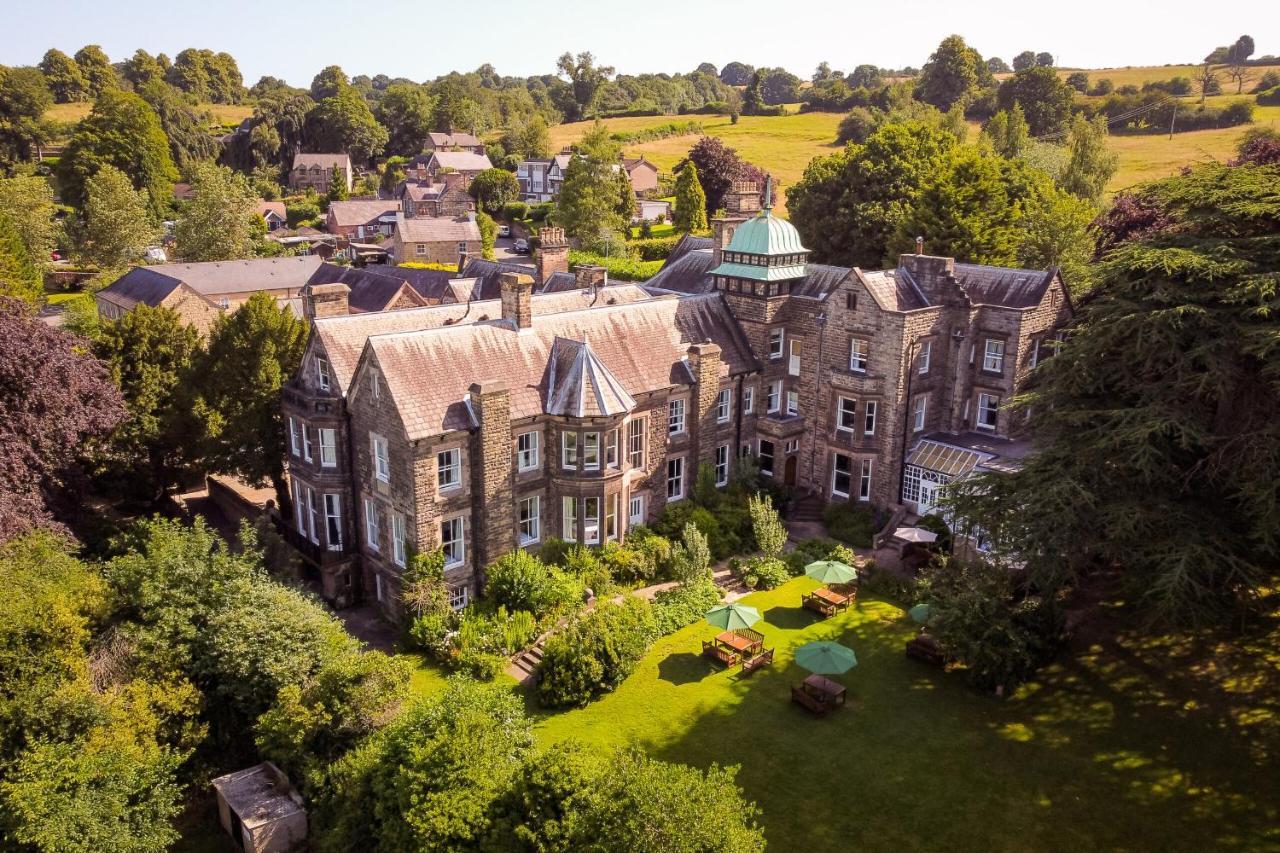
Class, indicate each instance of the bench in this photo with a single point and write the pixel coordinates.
(925, 648)
(811, 703)
(750, 665)
(720, 653)
(824, 606)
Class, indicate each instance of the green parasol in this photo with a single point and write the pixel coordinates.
(826, 658)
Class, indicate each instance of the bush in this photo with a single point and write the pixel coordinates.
(1237, 112)
(423, 265)
(542, 211)
(884, 584)
(657, 550)
(295, 213)
(1270, 98)
(515, 210)
(1102, 87)
(520, 581)
(595, 652)
(817, 549)
(626, 565)
(1079, 81)
(856, 126)
(936, 524)
(584, 564)
(621, 269)
(854, 523)
(684, 605)
(662, 131)
(764, 573)
(653, 248)
(1267, 82)
(770, 534)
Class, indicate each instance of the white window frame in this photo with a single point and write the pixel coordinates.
(793, 403)
(864, 481)
(294, 445)
(457, 526)
(773, 398)
(381, 458)
(993, 355)
(323, 378)
(591, 520)
(459, 597)
(675, 417)
(398, 555)
(637, 441)
(313, 517)
(449, 469)
(988, 403)
(859, 353)
(527, 447)
(793, 358)
(772, 456)
(371, 524)
(306, 443)
(846, 407)
(722, 465)
(529, 529)
(1033, 354)
(675, 479)
(299, 508)
(777, 342)
(333, 520)
(328, 448)
(926, 353)
(723, 400)
(749, 399)
(569, 450)
(591, 451)
(611, 440)
(869, 417)
(836, 473)
(635, 510)
(919, 412)
(420, 249)
(569, 518)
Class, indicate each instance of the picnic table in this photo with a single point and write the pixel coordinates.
(729, 647)
(826, 601)
(833, 691)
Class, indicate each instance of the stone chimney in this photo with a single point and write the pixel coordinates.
(590, 277)
(552, 256)
(493, 514)
(517, 299)
(743, 198)
(936, 278)
(462, 262)
(325, 300)
(704, 364)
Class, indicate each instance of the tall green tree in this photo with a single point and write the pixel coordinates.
(1007, 132)
(406, 112)
(150, 354)
(122, 131)
(588, 202)
(1091, 162)
(66, 81)
(493, 189)
(217, 224)
(28, 203)
(586, 78)
(1157, 420)
(252, 352)
(142, 69)
(1057, 232)
(690, 212)
(24, 97)
(952, 75)
(186, 128)
(1045, 100)
(99, 73)
(527, 138)
(328, 83)
(114, 227)
(20, 276)
(345, 123)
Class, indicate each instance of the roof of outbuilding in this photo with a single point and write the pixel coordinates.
(149, 285)
(463, 161)
(459, 139)
(372, 287)
(139, 286)
(361, 211)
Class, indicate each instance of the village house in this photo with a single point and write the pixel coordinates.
(491, 424)
(315, 171)
(446, 196)
(453, 142)
(540, 180)
(362, 219)
(436, 239)
(642, 174)
(431, 168)
(273, 214)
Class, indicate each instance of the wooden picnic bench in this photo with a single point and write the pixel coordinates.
(925, 648)
(825, 601)
(813, 704)
(730, 647)
(715, 651)
(751, 664)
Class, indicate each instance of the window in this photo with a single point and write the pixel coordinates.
(529, 521)
(841, 476)
(569, 519)
(748, 400)
(766, 458)
(591, 520)
(611, 448)
(846, 414)
(371, 524)
(381, 461)
(299, 509)
(675, 478)
(675, 417)
(773, 397)
(294, 446)
(922, 403)
(377, 585)
(306, 442)
(792, 445)
(313, 517)
(591, 451)
(635, 441)
(397, 539)
(722, 405)
(793, 363)
(1033, 357)
(851, 301)
(328, 448)
(858, 349)
(452, 543)
(527, 451)
(793, 403)
(462, 246)
(722, 465)
(636, 510)
(458, 597)
(988, 404)
(333, 521)
(922, 360)
(869, 418)
(775, 343)
(375, 385)
(993, 357)
(420, 249)
(569, 450)
(611, 516)
(224, 303)
(449, 468)
(322, 373)
(864, 481)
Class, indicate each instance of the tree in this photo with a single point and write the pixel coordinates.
(28, 204)
(1260, 146)
(998, 65)
(527, 138)
(952, 74)
(252, 353)
(778, 86)
(1207, 81)
(588, 202)
(406, 112)
(856, 126)
(1092, 163)
(488, 234)
(24, 97)
(1044, 60)
(1079, 81)
(114, 227)
(1024, 60)
(121, 131)
(20, 277)
(1046, 101)
(55, 401)
(1007, 132)
(707, 68)
(690, 212)
(586, 78)
(493, 189)
(848, 205)
(736, 74)
(718, 167)
(329, 83)
(865, 77)
(1156, 419)
(99, 73)
(1057, 233)
(66, 81)
(345, 123)
(142, 69)
(218, 223)
(768, 529)
(186, 129)
(753, 100)
(1238, 61)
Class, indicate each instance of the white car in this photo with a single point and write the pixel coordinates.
(504, 230)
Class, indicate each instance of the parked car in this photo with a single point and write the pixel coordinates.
(521, 246)
(504, 230)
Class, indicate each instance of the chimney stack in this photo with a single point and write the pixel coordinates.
(919, 245)
(517, 299)
(462, 262)
(325, 300)
(590, 277)
(552, 255)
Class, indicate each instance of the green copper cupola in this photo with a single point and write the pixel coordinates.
(763, 257)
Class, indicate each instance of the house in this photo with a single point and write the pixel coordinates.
(540, 180)
(581, 409)
(454, 142)
(446, 196)
(273, 214)
(435, 239)
(315, 171)
(363, 218)
(200, 292)
(430, 168)
(642, 174)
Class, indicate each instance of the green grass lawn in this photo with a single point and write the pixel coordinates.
(1118, 750)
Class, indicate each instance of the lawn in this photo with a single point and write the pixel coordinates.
(1122, 749)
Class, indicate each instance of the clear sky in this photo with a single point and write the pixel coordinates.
(420, 40)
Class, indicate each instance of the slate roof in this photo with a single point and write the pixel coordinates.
(449, 139)
(324, 161)
(139, 286)
(642, 345)
(490, 275)
(580, 386)
(689, 243)
(685, 272)
(819, 281)
(560, 282)
(1010, 288)
(372, 287)
(150, 285)
(893, 289)
(436, 229)
(361, 211)
(463, 161)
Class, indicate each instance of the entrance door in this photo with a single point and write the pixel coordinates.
(928, 497)
(789, 475)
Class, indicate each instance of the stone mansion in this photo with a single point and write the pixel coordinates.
(562, 406)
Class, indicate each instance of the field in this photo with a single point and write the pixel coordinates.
(222, 113)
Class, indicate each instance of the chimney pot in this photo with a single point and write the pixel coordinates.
(517, 299)
(919, 245)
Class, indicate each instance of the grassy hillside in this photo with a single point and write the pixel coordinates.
(222, 113)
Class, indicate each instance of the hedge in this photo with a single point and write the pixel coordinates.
(622, 269)
(662, 131)
(1270, 98)
(654, 248)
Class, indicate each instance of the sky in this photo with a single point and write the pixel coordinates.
(421, 40)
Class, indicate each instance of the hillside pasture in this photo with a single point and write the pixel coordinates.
(222, 113)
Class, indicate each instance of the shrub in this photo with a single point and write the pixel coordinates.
(625, 564)
(764, 573)
(684, 605)
(515, 210)
(1237, 112)
(1102, 87)
(691, 559)
(856, 126)
(657, 550)
(542, 211)
(1270, 98)
(662, 131)
(1079, 81)
(622, 269)
(554, 551)
(295, 213)
(520, 581)
(813, 550)
(936, 524)
(653, 248)
(584, 564)
(595, 652)
(876, 581)
(853, 523)
(770, 534)
(423, 265)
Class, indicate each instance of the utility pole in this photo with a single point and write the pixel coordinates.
(1173, 116)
